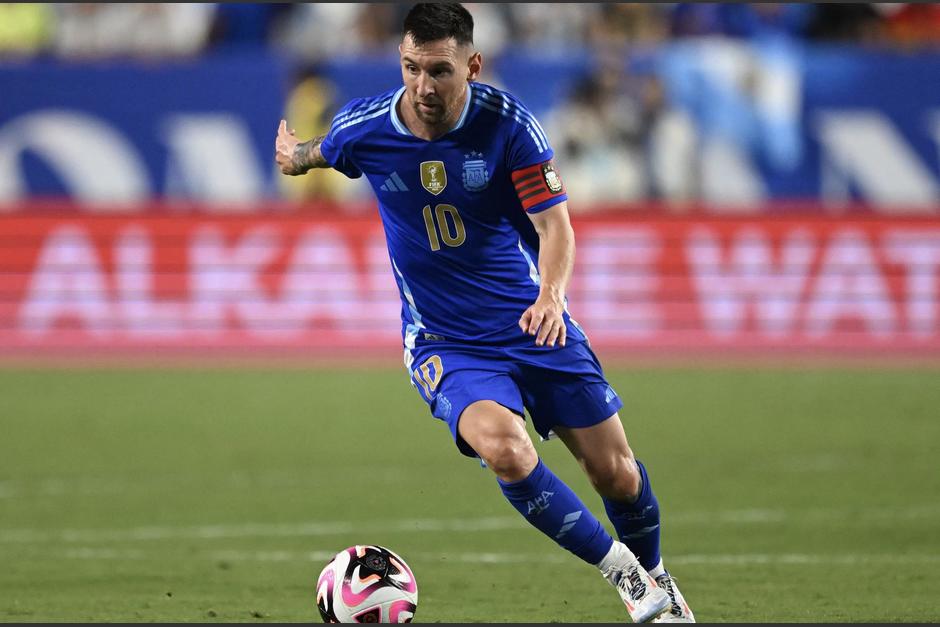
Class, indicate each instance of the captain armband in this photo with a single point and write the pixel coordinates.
(537, 183)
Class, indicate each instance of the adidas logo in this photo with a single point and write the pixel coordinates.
(570, 521)
(394, 184)
(611, 395)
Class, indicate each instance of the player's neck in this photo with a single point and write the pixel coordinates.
(422, 130)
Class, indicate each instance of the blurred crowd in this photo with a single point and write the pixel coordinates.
(625, 131)
(313, 30)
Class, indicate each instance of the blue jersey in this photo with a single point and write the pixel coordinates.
(463, 251)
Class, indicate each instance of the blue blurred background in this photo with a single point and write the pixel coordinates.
(726, 107)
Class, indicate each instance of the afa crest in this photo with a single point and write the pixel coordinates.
(552, 180)
(475, 175)
(433, 176)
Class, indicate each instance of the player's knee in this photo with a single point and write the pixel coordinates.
(511, 457)
(500, 439)
(616, 478)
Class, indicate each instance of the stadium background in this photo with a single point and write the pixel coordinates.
(201, 390)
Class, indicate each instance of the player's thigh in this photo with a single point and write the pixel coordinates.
(499, 436)
(451, 380)
(565, 387)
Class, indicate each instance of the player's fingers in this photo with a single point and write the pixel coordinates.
(282, 127)
(543, 331)
(557, 328)
(524, 320)
(552, 335)
(535, 321)
(562, 334)
(548, 332)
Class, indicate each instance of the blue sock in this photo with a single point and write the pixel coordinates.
(551, 507)
(637, 523)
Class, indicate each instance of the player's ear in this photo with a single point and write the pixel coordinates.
(474, 66)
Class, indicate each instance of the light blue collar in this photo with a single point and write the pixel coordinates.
(402, 129)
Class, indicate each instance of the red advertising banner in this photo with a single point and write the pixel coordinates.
(194, 283)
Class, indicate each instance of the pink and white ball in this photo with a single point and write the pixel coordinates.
(367, 584)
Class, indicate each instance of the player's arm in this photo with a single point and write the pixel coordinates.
(294, 156)
(556, 260)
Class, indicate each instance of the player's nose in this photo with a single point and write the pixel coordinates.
(425, 85)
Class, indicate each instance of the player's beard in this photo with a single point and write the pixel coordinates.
(439, 115)
(431, 117)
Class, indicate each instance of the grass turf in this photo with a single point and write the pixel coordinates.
(182, 495)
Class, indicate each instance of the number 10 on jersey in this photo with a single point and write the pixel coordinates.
(438, 220)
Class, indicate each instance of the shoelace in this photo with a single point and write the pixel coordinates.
(630, 582)
(666, 583)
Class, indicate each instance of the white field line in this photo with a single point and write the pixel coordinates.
(87, 553)
(109, 486)
(719, 559)
(430, 525)
(259, 530)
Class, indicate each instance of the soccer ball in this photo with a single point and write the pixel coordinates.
(367, 584)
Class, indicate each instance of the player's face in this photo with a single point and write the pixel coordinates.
(435, 76)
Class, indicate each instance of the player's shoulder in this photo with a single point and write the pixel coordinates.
(501, 107)
(361, 115)
(498, 100)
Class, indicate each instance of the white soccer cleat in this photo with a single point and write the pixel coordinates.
(643, 598)
(679, 611)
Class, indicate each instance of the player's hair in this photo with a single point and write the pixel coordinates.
(433, 21)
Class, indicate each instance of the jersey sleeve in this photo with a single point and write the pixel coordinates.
(538, 185)
(336, 147)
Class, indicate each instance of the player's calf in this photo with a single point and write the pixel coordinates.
(550, 506)
(637, 521)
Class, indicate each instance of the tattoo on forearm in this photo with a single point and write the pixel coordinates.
(307, 155)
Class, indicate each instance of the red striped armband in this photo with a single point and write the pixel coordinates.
(537, 183)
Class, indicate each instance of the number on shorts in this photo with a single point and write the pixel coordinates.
(428, 379)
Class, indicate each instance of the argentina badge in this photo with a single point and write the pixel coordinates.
(475, 175)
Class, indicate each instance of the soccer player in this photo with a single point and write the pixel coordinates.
(482, 249)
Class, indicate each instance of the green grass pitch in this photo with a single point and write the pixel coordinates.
(179, 495)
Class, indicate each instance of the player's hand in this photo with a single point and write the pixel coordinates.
(284, 147)
(545, 320)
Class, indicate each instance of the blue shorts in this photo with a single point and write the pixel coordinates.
(560, 386)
